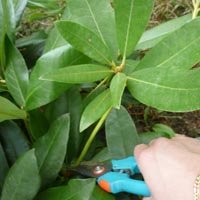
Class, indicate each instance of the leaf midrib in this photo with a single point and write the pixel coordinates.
(95, 21)
(75, 73)
(17, 81)
(161, 86)
(128, 29)
(50, 146)
(179, 52)
(92, 46)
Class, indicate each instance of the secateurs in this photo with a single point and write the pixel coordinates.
(115, 176)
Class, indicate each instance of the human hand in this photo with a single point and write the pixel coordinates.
(169, 167)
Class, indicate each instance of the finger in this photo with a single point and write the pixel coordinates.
(139, 149)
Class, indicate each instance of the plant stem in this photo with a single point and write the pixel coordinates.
(99, 85)
(91, 138)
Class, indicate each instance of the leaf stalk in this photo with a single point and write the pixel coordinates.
(91, 138)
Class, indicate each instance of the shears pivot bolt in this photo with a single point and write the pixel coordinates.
(98, 170)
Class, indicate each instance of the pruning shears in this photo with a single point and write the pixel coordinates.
(114, 176)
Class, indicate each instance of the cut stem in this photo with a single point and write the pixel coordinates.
(91, 138)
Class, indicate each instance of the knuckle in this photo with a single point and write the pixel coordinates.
(161, 143)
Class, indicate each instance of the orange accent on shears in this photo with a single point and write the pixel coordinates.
(104, 185)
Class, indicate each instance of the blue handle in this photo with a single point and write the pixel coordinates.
(116, 182)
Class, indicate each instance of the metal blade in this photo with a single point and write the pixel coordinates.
(95, 170)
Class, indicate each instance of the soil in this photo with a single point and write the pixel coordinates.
(182, 123)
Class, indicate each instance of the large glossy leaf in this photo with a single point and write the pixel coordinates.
(131, 19)
(78, 74)
(70, 102)
(34, 39)
(77, 189)
(74, 108)
(19, 6)
(95, 109)
(85, 41)
(8, 17)
(38, 123)
(51, 148)
(16, 74)
(182, 54)
(154, 35)
(4, 167)
(97, 16)
(46, 4)
(23, 180)
(102, 156)
(13, 140)
(117, 87)
(9, 111)
(166, 89)
(121, 134)
(93, 94)
(54, 40)
(7, 25)
(55, 59)
(130, 66)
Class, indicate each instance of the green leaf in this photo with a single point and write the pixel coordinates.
(78, 74)
(46, 4)
(74, 108)
(130, 66)
(77, 189)
(92, 95)
(102, 156)
(96, 16)
(165, 89)
(183, 55)
(19, 6)
(70, 102)
(4, 167)
(131, 19)
(54, 41)
(16, 74)
(55, 59)
(38, 123)
(95, 109)
(117, 87)
(34, 39)
(159, 130)
(51, 148)
(7, 26)
(121, 134)
(9, 111)
(99, 194)
(8, 18)
(13, 141)
(154, 35)
(23, 180)
(85, 41)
